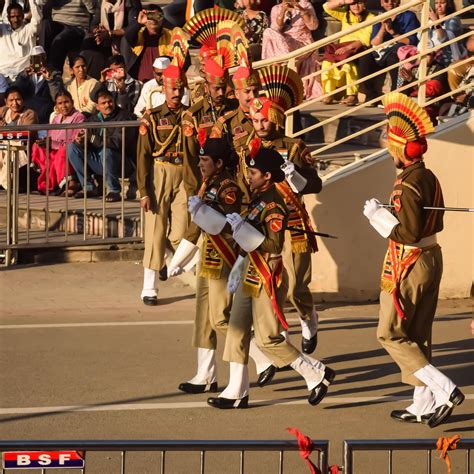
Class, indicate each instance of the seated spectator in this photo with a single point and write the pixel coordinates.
(80, 86)
(33, 83)
(445, 31)
(17, 39)
(291, 25)
(15, 114)
(156, 85)
(145, 40)
(116, 79)
(110, 20)
(107, 111)
(381, 32)
(353, 43)
(58, 140)
(256, 22)
(62, 35)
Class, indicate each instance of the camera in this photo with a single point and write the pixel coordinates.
(37, 62)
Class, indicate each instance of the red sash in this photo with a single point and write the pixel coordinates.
(225, 250)
(271, 281)
(299, 241)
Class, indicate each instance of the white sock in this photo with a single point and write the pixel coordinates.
(149, 283)
(206, 370)
(440, 385)
(310, 369)
(238, 386)
(309, 327)
(262, 362)
(423, 401)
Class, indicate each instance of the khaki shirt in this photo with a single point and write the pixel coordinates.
(415, 188)
(160, 134)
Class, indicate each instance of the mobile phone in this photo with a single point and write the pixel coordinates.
(37, 62)
(109, 74)
(154, 15)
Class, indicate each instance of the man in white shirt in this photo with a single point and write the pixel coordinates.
(156, 85)
(17, 39)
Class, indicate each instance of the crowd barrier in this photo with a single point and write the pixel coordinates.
(30, 450)
(29, 219)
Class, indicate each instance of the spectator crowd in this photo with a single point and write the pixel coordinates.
(98, 60)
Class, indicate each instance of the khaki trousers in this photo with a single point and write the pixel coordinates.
(213, 304)
(168, 219)
(248, 311)
(408, 341)
(298, 267)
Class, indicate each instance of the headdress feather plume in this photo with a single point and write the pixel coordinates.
(179, 47)
(202, 27)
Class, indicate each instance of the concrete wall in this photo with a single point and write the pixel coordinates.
(348, 269)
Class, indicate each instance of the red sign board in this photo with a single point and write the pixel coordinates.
(42, 460)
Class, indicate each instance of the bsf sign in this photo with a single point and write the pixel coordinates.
(42, 459)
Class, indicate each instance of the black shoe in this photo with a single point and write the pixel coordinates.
(443, 412)
(163, 273)
(266, 376)
(308, 346)
(195, 388)
(319, 392)
(407, 417)
(228, 403)
(150, 300)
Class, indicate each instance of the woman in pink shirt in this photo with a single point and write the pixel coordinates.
(59, 139)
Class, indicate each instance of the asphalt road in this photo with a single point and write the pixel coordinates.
(82, 358)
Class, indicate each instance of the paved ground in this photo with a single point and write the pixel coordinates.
(82, 358)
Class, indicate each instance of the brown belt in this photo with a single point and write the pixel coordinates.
(172, 158)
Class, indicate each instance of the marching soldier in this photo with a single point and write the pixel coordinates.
(256, 277)
(267, 115)
(238, 123)
(413, 265)
(202, 116)
(160, 179)
(219, 195)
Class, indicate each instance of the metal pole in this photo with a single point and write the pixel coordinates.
(390, 461)
(428, 461)
(242, 462)
(203, 454)
(104, 180)
(280, 469)
(122, 202)
(163, 453)
(47, 190)
(423, 46)
(84, 187)
(9, 206)
(15, 197)
(28, 184)
(347, 458)
(432, 208)
(66, 187)
(122, 464)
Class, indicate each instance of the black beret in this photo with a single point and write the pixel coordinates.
(267, 161)
(219, 149)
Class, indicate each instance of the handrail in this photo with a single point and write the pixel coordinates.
(381, 71)
(70, 126)
(317, 44)
(388, 42)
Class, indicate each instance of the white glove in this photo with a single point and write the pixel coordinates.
(371, 207)
(235, 275)
(194, 203)
(183, 255)
(288, 168)
(235, 220)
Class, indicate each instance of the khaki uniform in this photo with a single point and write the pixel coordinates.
(412, 272)
(213, 301)
(298, 247)
(237, 125)
(202, 115)
(252, 305)
(160, 177)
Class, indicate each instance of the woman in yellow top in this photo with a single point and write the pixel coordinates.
(349, 13)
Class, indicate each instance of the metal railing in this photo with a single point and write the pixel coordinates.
(203, 447)
(390, 445)
(425, 25)
(91, 215)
